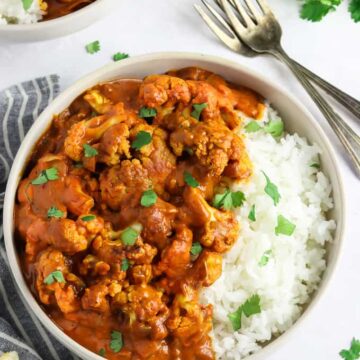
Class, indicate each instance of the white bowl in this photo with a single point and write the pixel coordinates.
(61, 26)
(294, 114)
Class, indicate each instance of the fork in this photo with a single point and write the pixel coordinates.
(235, 44)
(260, 31)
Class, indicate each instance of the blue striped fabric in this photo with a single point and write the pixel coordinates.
(20, 330)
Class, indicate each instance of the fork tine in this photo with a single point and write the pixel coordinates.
(254, 12)
(222, 21)
(264, 6)
(244, 14)
(232, 42)
(235, 22)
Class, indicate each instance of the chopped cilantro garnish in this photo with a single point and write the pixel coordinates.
(56, 275)
(93, 47)
(146, 112)
(284, 226)
(148, 198)
(129, 236)
(142, 138)
(252, 214)
(274, 127)
(228, 199)
(120, 56)
(27, 4)
(116, 342)
(190, 180)
(250, 307)
(265, 258)
(89, 151)
(272, 190)
(196, 248)
(315, 165)
(353, 353)
(315, 10)
(197, 110)
(252, 126)
(54, 212)
(88, 218)
(354, 9)
(125, 264)
(45, 176)
(102, 352)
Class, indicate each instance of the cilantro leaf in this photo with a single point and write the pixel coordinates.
(45, 176)
(87, 218)
(315, 10)
(315, 165)
(198, 108)
(196, 248)
(27, 4)
(354, 9)
(274, 127)
(252, 126)
(146, 112)
(116, 342)
(229, 199)
(190, 180)
(93, 47)
(125, 264)
(142, 138)
(252, 214)
(235, 319)
(129, 236)
(56, 275)
(55, 212)
(353, 353)
(238, 198)
(250, 307)
(120, 56)
(102, 352)
(284, 226)
(89, 151)
(148, 198)
(272, 190)
(265, 258)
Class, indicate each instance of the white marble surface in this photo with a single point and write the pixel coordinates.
(330, 48)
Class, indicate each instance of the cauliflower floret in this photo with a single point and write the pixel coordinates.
(218, 229)
(157, 90)
(62, 293)
(124, 183)
(98, 101)
(175, 258)
(65, 235)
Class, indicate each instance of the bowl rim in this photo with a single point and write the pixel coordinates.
(53, 23)
(74, 90)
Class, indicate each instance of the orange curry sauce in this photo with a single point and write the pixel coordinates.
(73, 219)
(58, 8)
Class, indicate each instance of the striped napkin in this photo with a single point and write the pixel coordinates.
(20, 331)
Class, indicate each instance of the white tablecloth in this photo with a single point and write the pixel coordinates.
(330, 48)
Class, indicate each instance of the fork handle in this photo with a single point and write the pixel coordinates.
(350, 103)
(346, 135)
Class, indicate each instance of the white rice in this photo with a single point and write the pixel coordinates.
(12, 12)
(296, 262)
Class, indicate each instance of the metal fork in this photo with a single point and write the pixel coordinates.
(259, 29)
(228, 36)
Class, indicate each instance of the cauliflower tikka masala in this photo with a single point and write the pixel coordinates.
(124, 212)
